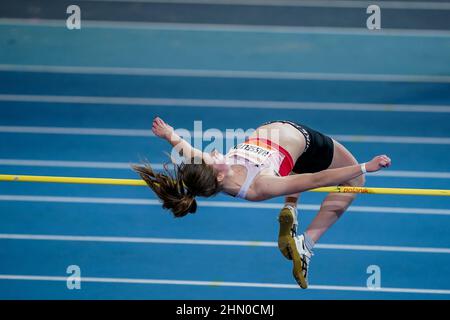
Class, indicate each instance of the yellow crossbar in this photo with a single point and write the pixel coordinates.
(138, 182)
(51, 179)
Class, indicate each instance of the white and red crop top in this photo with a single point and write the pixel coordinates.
(257, 154)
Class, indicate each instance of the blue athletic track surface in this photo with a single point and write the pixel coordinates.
(81, 103)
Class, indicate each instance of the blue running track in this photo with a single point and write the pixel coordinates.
(383, 93)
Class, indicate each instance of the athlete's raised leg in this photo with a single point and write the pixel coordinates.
(335, 204)
(299, 248)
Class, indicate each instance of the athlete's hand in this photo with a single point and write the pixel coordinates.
(378, 163)
(162, 129)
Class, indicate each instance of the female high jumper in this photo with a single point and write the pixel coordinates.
(280, 158)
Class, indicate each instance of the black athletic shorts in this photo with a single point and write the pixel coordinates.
(318, 152)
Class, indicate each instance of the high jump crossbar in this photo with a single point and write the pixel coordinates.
(139, 182)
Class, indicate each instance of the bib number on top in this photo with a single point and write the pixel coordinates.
(256, 154)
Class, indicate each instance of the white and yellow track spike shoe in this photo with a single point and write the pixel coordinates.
(288, 229)
(301, 258)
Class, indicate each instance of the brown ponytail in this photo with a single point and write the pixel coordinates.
(178, 188)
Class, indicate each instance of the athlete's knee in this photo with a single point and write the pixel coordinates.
(343, 201)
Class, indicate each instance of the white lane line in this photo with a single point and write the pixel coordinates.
(412, 174)
(219, 204)
(391, 139)
(159, 166)
(383, 248)
(205, 27)
(240, 104)
(142, 240)
(304, 3)
(148, 133)
(217, 243)
(71, 164)
(278, 75)
(57, 199)
(223, 284)
(78, 131)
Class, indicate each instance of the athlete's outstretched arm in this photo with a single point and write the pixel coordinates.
(166, 132)
(269, 186)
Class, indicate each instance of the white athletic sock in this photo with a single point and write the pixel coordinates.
(290, 206)
(309, 243)
(291, 201)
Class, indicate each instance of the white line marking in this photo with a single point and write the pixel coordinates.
(204, 27)
(148, 133)
(58, 199)
(77, 131)
(392, 139)
(304, 3)
(278, 75)
(222, 284)
(219, 204)
(139, 240)
(159, 166)
(383, 248)
(216, 243)
(204, 103)
(412, 174)
(71, 164)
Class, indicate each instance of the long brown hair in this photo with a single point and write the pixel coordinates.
(178, 187)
